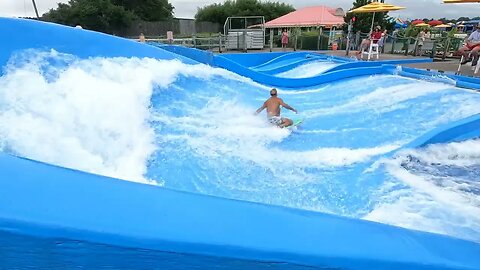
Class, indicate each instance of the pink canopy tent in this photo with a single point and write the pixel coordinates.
(308, 17)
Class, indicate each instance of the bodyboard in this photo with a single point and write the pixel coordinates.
(295, 124)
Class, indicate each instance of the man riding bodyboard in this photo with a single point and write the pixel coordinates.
(273, 110)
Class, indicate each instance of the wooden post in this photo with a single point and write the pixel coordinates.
(301, 42)
(219, 42)
(393, 45)
(415, 48)
(349, 35)
(271, 39)
(319, 37)
(210, 42)
(447, 44)
(245, 40)
(407, 46)
(296, 38)
(434, 49)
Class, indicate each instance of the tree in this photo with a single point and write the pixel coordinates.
(108, 16)
(148, 10)
(464, 19)
(363, 21)
(219, 12)
(98, 15)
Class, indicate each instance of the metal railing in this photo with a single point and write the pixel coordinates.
(202, 43)
(435, 47)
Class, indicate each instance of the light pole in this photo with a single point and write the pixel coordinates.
(35, 7)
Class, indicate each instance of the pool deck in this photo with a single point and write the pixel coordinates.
(450, 65)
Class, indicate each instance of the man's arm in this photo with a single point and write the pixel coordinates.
(286, 106)
(259, 110)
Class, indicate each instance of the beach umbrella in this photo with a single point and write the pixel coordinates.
(375, 7)
(435, 22)
(422, 25)
(415, 22)
(442, 26)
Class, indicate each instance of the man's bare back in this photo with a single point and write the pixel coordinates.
(273, 106)
(273, 110)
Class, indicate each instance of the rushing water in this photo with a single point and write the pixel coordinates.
(192, 128)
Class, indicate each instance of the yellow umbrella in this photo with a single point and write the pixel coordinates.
(422, 24)
(374, 7)
(442, 26)
(460, 1)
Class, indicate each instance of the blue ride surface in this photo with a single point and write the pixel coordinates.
(264, 181)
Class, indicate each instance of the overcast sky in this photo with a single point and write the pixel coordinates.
(187, 8)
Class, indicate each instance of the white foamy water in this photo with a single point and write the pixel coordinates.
(92, 115)
(310, 69)
(434, 200)
(226, 128)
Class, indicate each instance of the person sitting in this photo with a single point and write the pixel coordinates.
(472, 47)
(273, 110)
(374, 37)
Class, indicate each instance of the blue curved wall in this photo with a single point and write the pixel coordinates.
(465, 129)
(261, 66)
(49, 202)
(457, 80)
(298, 82)
(51, 217)
(27, 34)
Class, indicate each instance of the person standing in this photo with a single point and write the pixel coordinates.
(382, 40)
(141, 38)
(284, 39)
(420, 41)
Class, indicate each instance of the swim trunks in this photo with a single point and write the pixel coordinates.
(275, 120)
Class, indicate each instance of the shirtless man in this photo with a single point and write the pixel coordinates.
(273, 110)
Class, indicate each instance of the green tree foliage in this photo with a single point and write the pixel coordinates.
(219, 12)
(108, 15)
(148, 10)
(363, 21)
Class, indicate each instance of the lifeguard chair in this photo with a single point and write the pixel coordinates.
(475, 69)
(372, 50)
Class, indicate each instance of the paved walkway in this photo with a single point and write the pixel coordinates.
(449, 65)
